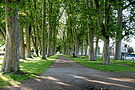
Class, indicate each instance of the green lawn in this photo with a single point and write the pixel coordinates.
(31, 68)
(115, 66)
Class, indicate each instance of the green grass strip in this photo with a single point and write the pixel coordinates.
(31, 68)
(115, 66)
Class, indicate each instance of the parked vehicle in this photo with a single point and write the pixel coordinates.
(130, 57)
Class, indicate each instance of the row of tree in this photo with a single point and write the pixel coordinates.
(69, 26)
(88, 20)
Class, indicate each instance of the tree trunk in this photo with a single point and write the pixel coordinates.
(64, 43)
(119, 36)
(96, 49)
(77, 49)
(90, 33)
(54, 40)
(38, 42)
(11, 57)
(35, 41)
(74, 42)
(50, 41)
(86, 48)
(44, 32)
(82, 49)
(28, 48)
(106, 51)
(118, 49)
(91, 43)
(22, 45)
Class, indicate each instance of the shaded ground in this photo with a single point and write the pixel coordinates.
(65, 74)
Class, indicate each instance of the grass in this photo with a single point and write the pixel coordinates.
(31, 68)
(115, 66)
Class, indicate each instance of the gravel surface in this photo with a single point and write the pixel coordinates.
(65, 74)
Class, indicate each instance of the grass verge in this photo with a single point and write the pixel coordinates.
(115, 66)
(31, 68)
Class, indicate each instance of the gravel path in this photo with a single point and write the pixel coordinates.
(65, 74)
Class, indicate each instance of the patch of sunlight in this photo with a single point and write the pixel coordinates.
(51, 78)
(61, 83)
(47, 77)
(34, 58)
(80, 77)
(52, 59)
(1, 57)
(123, 79)
(117, 79)
(37, 79)
(12, 82)
(101, 82)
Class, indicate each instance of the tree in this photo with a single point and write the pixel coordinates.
(11, 58)
(90, 32)
(121, 33)
(104, 21)
(44, 32)
(22, 45)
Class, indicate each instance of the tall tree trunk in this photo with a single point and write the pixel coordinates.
(119, 35)
(11, 58)
(64, 43)
(50, 41)
(44, 32)
(35, 41)
(54, 40)
(91, 43)
(106, 51)
(77, 48)
(82, 51)
(117, 50)
(38, 42)
(74, 42)
(28, 45)
(86, 48)
(90, 34)
(22, 45)
(106, 56)
(96, 48)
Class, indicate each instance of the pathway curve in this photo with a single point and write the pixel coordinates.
(65, 74)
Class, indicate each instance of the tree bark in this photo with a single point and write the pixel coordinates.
(119, 36)
(91, 43)
(37, 37)
(106, 51)
(96, 48)
(22, 45)
(86, 47)
(44, 32)
(35, 41)
(90, 34)
(82, 49)
(50, 41)
(28, 45)
(74, 42)
(117, 50)
(11, 57)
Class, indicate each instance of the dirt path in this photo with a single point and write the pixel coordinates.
(65, 74)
